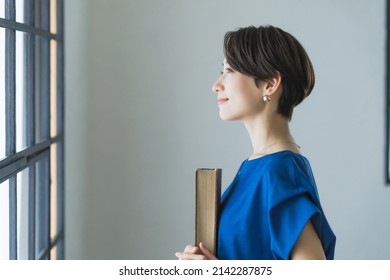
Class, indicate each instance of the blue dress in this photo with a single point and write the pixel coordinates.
(266, 207)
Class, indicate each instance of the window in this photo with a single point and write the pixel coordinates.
(388, 92)
(31, 129)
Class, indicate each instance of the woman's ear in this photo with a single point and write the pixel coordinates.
(272, 85)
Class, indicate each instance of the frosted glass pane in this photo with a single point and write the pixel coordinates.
(53, 191)
(22, 212)
(19, 10)
(4, 220)
(53, 88)
(2, 93)
(53, 16)
(2, 8)
(20, 97)
(53, 253)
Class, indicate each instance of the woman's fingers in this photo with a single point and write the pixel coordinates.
(191, 249)
(206, 252)
(192, 252)
(189, 256)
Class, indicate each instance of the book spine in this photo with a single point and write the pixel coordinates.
(207, 207)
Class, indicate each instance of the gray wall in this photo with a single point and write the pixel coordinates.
(141, 116)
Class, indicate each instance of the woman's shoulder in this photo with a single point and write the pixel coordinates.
(289, 169)
(285, 169)
(280, 160)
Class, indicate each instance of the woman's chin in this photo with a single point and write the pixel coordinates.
(226, 117)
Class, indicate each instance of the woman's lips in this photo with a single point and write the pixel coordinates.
(222, 100)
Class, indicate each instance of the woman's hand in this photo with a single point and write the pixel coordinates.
(195, 253)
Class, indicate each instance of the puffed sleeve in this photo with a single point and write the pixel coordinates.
(293, 201)
(287, 218)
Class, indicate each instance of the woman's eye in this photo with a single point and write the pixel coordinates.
(228, 70)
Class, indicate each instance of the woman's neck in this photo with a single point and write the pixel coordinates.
(270, 134)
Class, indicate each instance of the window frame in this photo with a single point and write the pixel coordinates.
(36, 25)
(387, 92)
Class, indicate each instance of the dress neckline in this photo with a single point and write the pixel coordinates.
(273, 155)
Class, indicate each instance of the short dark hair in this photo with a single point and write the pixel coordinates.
(264, 52)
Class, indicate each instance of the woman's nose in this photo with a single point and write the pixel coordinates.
(217, 86)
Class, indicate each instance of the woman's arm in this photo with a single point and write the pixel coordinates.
(192, 253)
(308, 245)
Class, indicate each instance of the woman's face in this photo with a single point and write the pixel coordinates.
(238, 96)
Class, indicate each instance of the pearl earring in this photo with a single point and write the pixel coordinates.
(266, 98)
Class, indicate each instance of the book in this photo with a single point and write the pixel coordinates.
(207, 204)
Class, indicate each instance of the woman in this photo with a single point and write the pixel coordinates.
(271, 210)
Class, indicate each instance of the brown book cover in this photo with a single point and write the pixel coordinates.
(207, 201)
